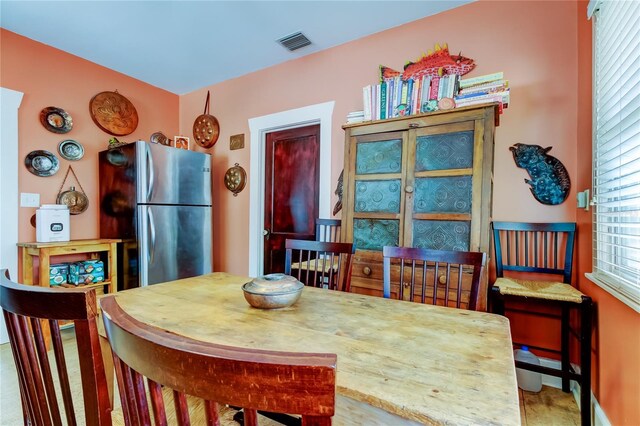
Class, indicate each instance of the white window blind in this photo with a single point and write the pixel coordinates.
(616, 157)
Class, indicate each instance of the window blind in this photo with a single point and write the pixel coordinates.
(616, 157)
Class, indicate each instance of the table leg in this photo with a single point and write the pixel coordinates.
(113, 268)
(27, 267)
(107, 359)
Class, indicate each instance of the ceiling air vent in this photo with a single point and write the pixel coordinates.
(294, 41)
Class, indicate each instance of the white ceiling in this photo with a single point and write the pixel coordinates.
(181, 46)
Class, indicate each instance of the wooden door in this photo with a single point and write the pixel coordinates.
(291, 191)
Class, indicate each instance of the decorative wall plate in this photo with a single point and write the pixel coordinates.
(206, 128)
(235, 179)
(159, 137)
(113, 113)
(56, 120)
(70, 150)
(42, 163)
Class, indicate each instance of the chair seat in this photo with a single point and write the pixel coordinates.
(548, 290)
(196, 413)
(320, 263)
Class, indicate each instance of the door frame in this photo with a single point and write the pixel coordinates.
(259, 127)
(10, 101)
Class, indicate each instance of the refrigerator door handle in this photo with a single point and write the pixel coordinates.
(152, 233)
(150, 173)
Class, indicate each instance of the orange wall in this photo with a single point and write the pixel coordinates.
(533, 43)
(616, 340)
(51, 77)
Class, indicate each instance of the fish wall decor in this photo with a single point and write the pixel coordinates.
(549, 183)
(436, 63)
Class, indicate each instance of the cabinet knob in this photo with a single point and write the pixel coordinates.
(406, 284)
(408, 189)
(413, 125)
(442, 279)
(366, 270)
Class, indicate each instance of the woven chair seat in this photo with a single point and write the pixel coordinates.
(317, 264)
(548, 290)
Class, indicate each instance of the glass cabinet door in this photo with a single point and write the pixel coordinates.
(378, 199)
(440, 173)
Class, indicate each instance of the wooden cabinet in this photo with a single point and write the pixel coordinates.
(417, 181)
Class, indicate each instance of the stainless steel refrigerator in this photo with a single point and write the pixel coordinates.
(157, 199)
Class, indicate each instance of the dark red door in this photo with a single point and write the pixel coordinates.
(291, 191)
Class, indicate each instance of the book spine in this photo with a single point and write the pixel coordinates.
(492, 86)
(409, 96)
(398, 97)
(435, 83)
(366, 102)
(425, 89)
(416, 96)
(383, 100)
(481, 79)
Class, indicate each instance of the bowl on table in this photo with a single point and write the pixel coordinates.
(272, 291)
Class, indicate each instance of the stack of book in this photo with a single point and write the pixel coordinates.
(395, 97)
(355, 117)
(483, 89)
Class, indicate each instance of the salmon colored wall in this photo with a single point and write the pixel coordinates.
(51, 77)
(533, 43)
(616, 340)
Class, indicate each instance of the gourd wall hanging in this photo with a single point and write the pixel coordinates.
(549, 183)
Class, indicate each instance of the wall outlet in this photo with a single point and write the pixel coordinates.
(583, 200)
(29, 200)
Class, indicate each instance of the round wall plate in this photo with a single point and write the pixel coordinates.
(42, 163)
(56, 120)
(113, 113)
(70, 150)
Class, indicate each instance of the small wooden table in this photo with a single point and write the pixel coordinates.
(44, 252)
(398, 362)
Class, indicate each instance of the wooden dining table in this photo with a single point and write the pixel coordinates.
(398, 362)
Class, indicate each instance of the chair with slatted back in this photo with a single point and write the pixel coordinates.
(215, 375)
(31, 315)
(436, 277)
(320, 264)
(328, 230)
(545, 248)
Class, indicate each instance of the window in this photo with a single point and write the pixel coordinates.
(616, 155)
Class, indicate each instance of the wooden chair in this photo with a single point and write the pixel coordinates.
(328, 230)
(295, 383)
(320, 264)
(436, 277)
(545, 248)
(31, 313)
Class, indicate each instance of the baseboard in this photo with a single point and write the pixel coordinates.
(598, 416)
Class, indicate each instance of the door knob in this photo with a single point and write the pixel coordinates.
(408, 189)
(266, 232)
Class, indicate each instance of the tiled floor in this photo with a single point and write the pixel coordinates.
(547, 408)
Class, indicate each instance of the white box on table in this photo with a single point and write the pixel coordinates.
(52, 223)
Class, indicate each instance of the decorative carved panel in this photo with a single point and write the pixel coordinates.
(445, 151)
(441, 234)
(379, 157)
(378, 196)
(373, 234)
(451, 194)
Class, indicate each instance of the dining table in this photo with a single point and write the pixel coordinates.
(398, 362)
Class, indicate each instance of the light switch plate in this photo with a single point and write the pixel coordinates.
(29, 200)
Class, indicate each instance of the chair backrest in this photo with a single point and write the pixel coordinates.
(534, 247)
(283, 382)
(320, 264)
(437, 277)
(328, 230)
(32, 314)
